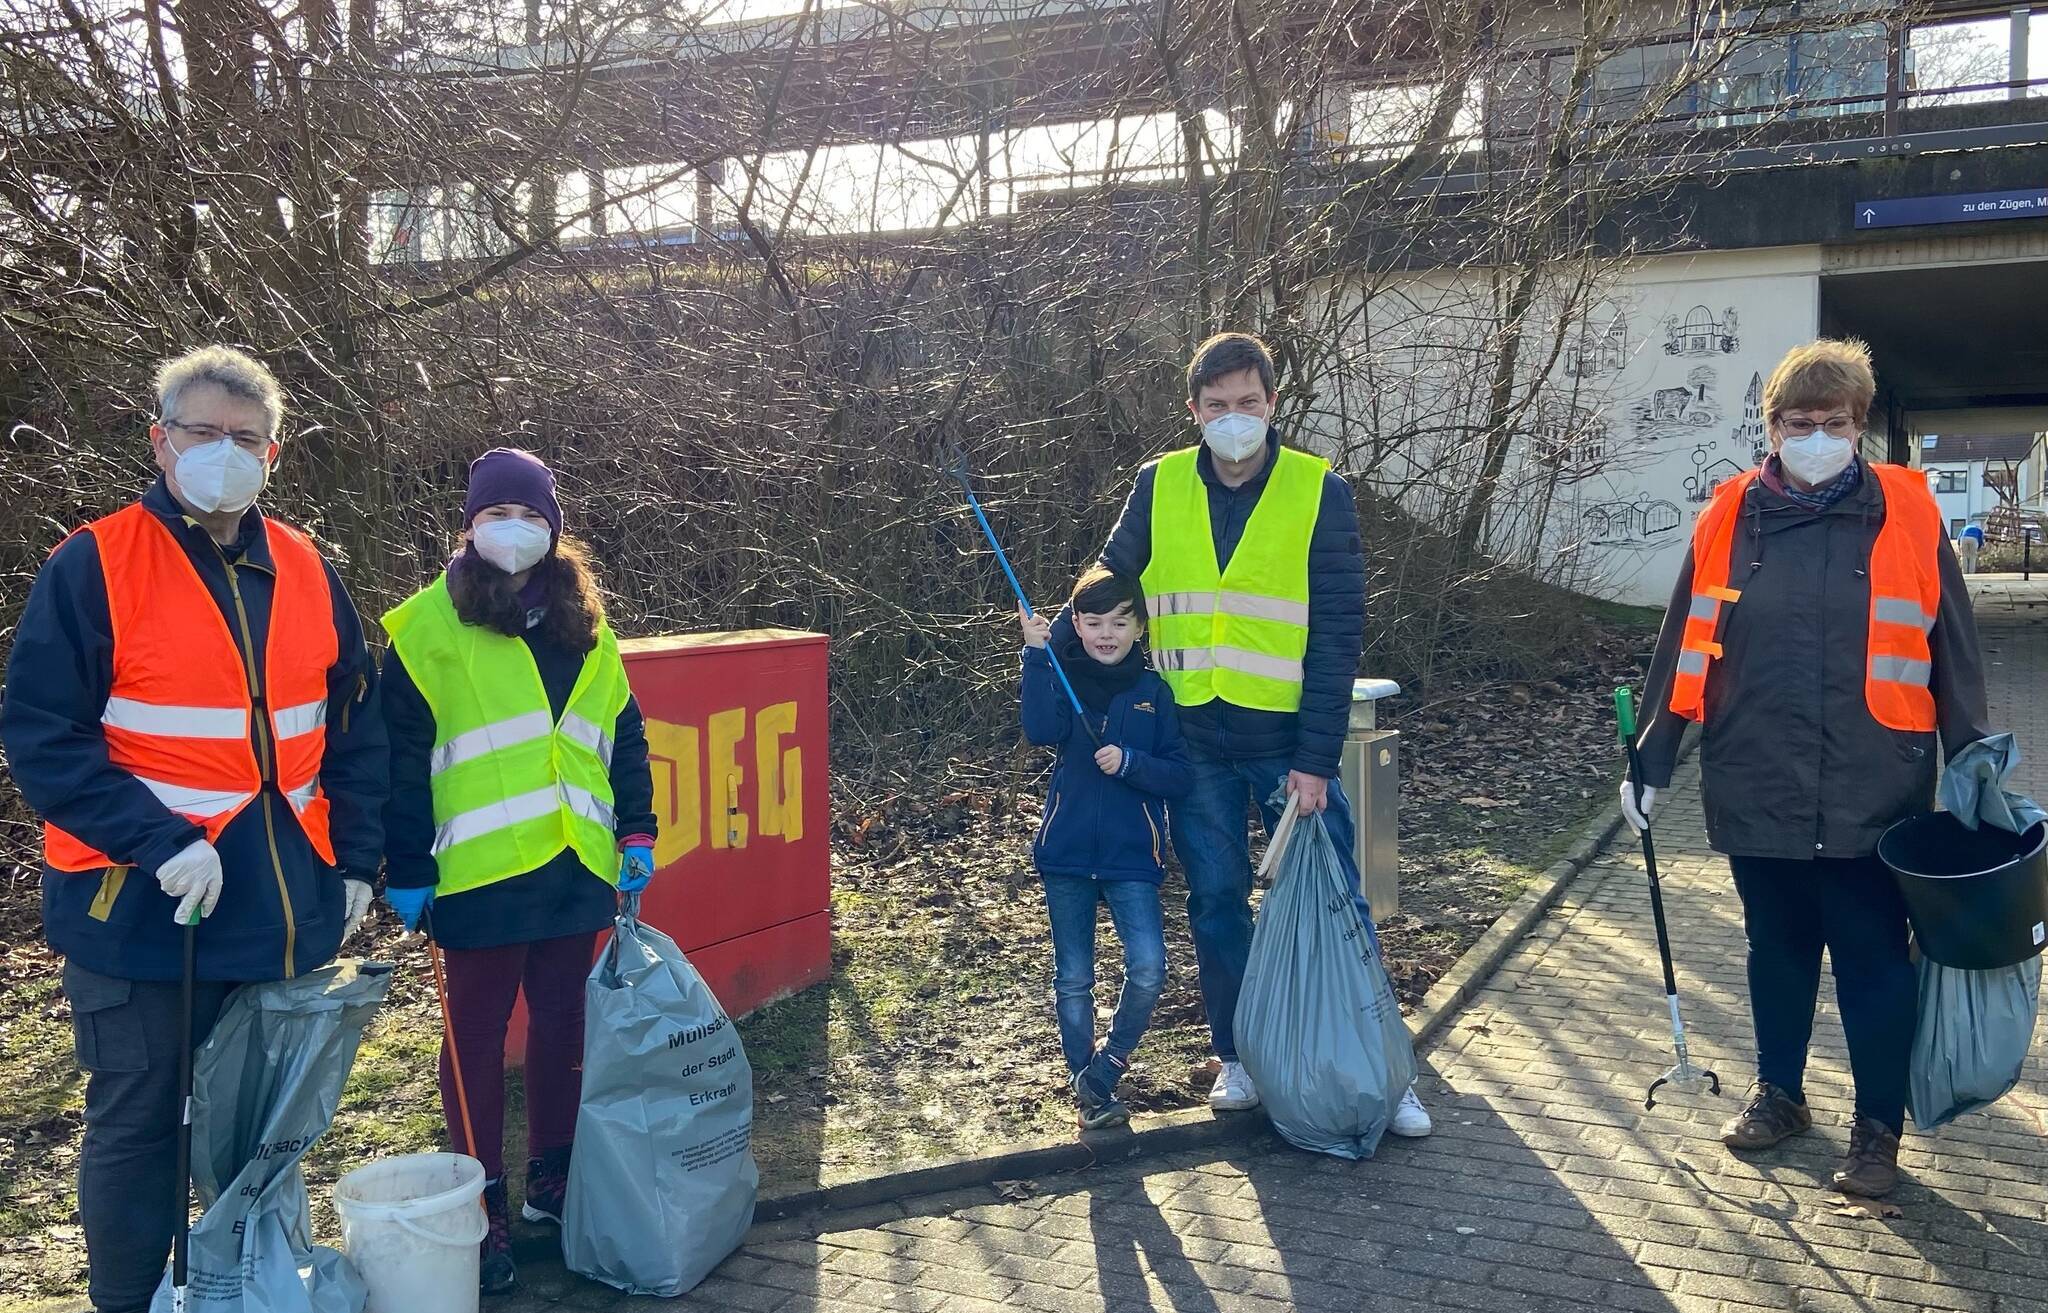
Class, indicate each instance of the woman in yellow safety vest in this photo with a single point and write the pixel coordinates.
(521, 807)
(1821, 635)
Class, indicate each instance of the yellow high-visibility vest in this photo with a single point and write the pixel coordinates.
(1239, 633)
(511, 786)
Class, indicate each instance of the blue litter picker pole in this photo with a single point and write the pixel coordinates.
(1683, 1076)
(958, 469)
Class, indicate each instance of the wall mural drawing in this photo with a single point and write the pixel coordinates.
(1630, 524)
(1749, 434)
(1591, 357)
(1709, 473)
(1700, 334)
(1678, 412)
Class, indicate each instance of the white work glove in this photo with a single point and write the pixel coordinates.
(355, 903)
(193, 878)
(1638, 820)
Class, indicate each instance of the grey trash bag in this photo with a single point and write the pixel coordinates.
(1318, 1026)
(1972, 1040)
(1973, 787)
(662, 1179)
(265, 1086)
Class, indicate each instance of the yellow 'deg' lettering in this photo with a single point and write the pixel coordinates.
(700, 771)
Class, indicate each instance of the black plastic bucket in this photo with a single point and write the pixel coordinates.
(1978, 898)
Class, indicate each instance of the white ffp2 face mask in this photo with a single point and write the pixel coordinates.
(220, 476)
(1235, 436)
(1817, 457)
(512, 545)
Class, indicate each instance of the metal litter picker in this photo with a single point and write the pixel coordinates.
(181, 1238)
(1683, 1076)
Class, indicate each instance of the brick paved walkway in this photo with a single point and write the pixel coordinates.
(1547, 1185)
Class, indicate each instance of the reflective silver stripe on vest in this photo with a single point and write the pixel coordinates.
(1263, 608)
(1901, 670)
(302, 719)
(1704, 607)
(302, 798)
(1250, 605)
(494, 737)
(1691, 661)
(590, 736)
(1184, 658)
(503, 815)
(1901, 611)
(1158, 604)
(1261, 664)
(587, 805)
(176, 722)
(194, 802)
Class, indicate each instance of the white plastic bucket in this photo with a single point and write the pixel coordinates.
(411, 1226)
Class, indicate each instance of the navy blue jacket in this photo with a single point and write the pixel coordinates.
(280, 909)
(1099, 826)
(1313, 738)
(561, 897)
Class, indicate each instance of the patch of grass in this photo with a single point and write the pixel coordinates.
(43, 1080)
(1622, 615)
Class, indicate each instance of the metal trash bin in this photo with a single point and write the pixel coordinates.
(1371, 774)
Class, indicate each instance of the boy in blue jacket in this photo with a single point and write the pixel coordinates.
(1104, 835)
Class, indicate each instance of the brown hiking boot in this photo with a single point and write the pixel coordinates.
(1872, 1167)
(1770, 1116)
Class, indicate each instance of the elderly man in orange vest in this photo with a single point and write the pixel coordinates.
(189, 707)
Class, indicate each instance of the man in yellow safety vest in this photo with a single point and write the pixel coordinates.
(1254, 579)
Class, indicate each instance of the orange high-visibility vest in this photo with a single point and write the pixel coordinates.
(1905, 598)
(178, 716)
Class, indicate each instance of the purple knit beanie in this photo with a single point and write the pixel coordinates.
(505, 474)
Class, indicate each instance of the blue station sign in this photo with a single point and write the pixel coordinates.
(1977, 207)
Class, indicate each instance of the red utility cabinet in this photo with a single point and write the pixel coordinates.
(736, 739)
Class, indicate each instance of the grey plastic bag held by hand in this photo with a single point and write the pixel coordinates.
(1318, 1027)
(1973, 787)
(1971, 1044)
(264, 1087)
(662, 1181)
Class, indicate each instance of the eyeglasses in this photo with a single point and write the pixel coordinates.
(248, 439)
(1841, 426)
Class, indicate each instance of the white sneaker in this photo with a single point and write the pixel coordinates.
(1411, 1119)
(1233, 1090)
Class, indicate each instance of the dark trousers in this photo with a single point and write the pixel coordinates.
(483, 983)
(126, 1036)
(1790, 911)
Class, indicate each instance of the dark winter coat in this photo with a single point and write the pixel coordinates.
(280, 910)
(1312, 739)
(1792, 762)
(561, 897)
(1096, 825)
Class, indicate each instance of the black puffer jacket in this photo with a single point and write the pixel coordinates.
(1313, 738)
(1792, 762)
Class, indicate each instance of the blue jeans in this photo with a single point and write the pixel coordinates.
(1214, 845)
(1134, 910)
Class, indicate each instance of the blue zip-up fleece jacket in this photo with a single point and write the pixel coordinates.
(1097, 826)
(280, 909)
(560, 897)
(1313, 738)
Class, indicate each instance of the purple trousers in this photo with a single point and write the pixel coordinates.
(483, 984)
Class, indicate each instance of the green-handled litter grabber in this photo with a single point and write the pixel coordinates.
(1683, 1076)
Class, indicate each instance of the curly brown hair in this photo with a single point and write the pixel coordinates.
(485, 595)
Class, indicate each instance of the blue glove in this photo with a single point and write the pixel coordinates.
(409, 903)
(636, 868)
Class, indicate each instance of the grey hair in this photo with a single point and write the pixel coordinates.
(240, 375)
